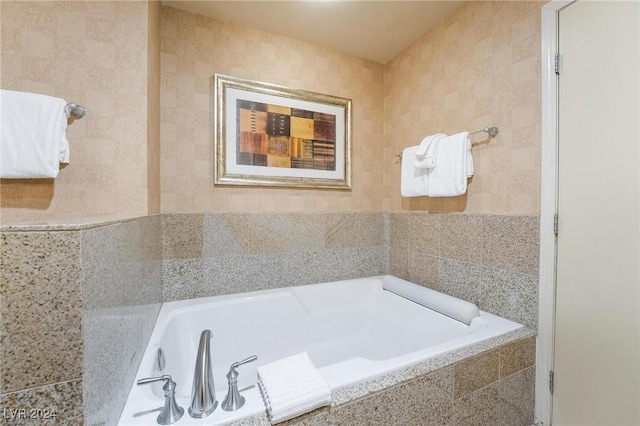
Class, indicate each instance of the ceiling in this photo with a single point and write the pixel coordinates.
(374, 30)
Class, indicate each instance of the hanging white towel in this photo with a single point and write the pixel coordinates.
(291, 387)
(413, 181)
(471, 170)
(449, 176)
(425, 157)
(33, 140)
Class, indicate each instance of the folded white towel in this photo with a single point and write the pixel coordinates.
(427, 151)
(413, 181)
(33, 140)
(292, 386)
(449, 176)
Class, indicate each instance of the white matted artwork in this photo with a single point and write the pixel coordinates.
(269, 135)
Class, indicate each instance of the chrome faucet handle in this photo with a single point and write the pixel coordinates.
(171, 412)
(234, 401)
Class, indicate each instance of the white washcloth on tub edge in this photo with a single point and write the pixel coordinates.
(292, 386)
(413, 181)
(33, 140)
(427, 152)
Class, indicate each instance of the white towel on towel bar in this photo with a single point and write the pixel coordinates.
(33, 140)
(449, 176)
(425, 156)
(413, 181)
(292, 386)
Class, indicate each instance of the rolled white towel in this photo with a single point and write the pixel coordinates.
(292, 386)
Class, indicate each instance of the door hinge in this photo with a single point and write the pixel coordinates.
(557, 63)
(551, 380)
(555, 224)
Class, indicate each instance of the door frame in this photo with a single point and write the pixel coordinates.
(548, 209)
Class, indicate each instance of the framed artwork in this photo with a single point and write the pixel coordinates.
(270, 135)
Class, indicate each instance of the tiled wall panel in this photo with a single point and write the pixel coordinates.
(213, 254)
(122, 296)
(93, 53)
(194, 48)
(489, 260)
(478, 67)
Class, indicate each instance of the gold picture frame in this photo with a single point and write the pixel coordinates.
(268, 135)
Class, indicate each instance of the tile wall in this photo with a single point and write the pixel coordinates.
(79, 303)
(489, 260)
(78, 306)
(194, 48)
(493, 388)
(93, 53)
(213, 254)
(478, 67)
(41, 327)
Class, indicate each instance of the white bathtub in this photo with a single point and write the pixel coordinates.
(353, 330)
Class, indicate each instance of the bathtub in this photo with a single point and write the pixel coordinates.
(353, 331)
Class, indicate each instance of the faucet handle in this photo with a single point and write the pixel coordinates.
(239, 363)
(234, 401)
(171, 412)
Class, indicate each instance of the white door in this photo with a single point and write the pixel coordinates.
(597, 334)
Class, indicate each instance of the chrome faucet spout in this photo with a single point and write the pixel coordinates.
(203, 392)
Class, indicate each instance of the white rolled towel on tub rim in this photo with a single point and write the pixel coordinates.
(450, 306)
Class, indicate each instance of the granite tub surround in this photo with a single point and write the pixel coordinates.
(489, 260)
(41, 326)
(79, 302)
(468, 387)
(214, 254)
(122, 298)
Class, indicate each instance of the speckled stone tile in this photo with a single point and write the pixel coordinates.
(182, 279)
(517, 355)
(239, 274)
(108, 376)
(424, 233)
(423, 269)
(270, 233)
(461, 237)
(460, 279)
(219, 238)
(62, 399)
(182, 236)
(399, 230)
(102, 264)
(427, 386)
(123, 293)
(478, 408)
(361, 229)
(41, 305)
(432, 395)
(511, 243)
(399, 262)
(516, 395)
(509, 294)
(358, 390)
(476, 372)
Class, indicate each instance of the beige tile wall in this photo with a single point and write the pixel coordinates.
(95, 54)
(479, 67)
(153, 109)
(194, 48)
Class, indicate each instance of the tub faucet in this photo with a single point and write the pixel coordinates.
(203, 392)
